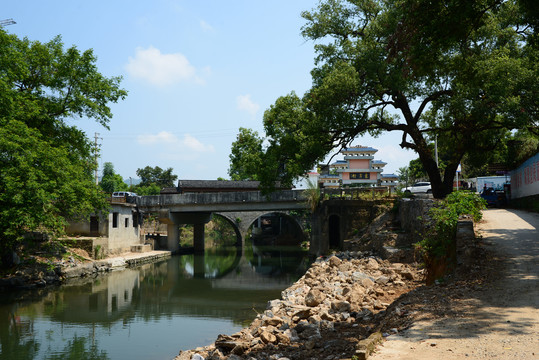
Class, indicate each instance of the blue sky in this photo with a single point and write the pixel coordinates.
(196, 71)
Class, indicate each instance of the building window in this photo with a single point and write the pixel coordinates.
(126, 222)
(135, 219)
(115, 220)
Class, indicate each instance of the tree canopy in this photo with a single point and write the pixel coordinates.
(153, 179)
(46, 164)
(464, 71)
(111, 181)
(246, 155)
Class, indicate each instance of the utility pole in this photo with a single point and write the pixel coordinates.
(436, 148)
(96, 147)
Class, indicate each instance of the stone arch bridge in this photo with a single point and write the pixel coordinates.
(333, 222)
(240, 209)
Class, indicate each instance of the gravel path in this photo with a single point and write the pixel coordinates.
(501, 321)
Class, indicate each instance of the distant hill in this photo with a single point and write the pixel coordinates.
(132, 181)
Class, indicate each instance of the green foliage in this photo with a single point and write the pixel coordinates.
(440, 235)
(462, 71)
(46, 165)
(404, 176)
(41, 185)
(152, 189)
(312, 193)
(416, 171)
(465, 203)
(153, 178)
(98, 253)
(111, 181)
(245, 155)
(511, 151)
(219, 232)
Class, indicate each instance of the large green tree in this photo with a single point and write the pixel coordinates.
(46, 164)
(111, 181)
(153, 179)
(246, 155)
(464, 71)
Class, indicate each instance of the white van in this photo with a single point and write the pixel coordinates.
(122, 194)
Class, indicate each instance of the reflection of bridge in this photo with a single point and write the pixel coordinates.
(241, 209)
(164, 289)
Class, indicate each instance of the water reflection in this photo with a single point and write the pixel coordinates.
(151, 311)
(15, 336)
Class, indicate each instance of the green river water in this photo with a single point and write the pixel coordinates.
(149, 312)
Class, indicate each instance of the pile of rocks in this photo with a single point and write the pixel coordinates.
(340, 292)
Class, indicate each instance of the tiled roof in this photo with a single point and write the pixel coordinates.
(361, 149)
(329, 176)
(218, 184)
(390, 176)
(379, 162)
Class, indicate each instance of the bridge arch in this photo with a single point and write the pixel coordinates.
(232, 222)
(242, 222)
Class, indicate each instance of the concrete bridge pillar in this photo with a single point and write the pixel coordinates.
(173, 237)
(198, 241)
(173, 220)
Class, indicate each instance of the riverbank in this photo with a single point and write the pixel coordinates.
(37, 273)
(341, 300)
(348, 302)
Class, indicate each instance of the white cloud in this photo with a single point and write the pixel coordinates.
(394, 156)
(161, 69)
(245, 103)
(190, 143)
(187, 147)
(162, 137)
(205, 26)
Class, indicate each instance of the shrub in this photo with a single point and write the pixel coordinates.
(438, 242)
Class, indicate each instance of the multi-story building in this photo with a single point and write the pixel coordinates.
(357, 168)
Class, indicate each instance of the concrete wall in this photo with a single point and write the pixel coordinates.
(359, 164)
(125, 233)
(525, 179)
(82, 228)
(109, 239)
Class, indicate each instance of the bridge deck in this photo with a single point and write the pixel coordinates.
(226, 201)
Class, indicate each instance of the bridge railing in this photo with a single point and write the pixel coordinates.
(357, 193)
(223, 197)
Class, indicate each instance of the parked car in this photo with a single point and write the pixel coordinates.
(122, 194)
(419, 187)
(494, 197)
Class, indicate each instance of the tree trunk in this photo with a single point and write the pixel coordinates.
(439, 190)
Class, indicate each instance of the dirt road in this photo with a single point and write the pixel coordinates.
(500, 321)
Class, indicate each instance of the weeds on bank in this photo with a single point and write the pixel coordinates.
(440, 235)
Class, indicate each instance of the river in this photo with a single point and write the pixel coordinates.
(149, 312)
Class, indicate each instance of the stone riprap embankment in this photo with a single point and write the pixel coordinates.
(324, 315)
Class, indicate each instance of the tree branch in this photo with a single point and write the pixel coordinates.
(428, 100)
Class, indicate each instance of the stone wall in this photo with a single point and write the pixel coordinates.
(410, 212)
(353, 217)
